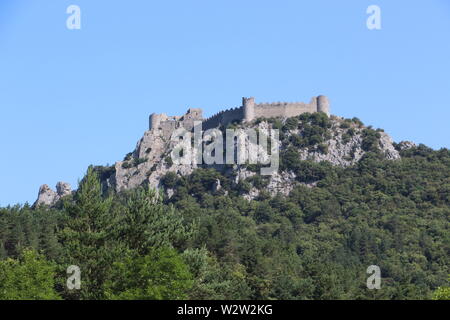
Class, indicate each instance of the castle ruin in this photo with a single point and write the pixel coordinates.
(248, 112)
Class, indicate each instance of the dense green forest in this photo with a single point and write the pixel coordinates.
(203, 244)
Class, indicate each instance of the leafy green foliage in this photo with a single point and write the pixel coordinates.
(215, 281)
(370, 140)
(169, 160)
(132, 162)
(442, 293)
(306, 171)
(30, 277)
(169, 180)
(159, 275)
(205, 243)
(318, 242)
(313, 131)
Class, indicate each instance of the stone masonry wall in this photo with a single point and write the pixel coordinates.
(262, 110)
(223, 118)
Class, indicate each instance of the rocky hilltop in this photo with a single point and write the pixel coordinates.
(341, 143)
(310, 137)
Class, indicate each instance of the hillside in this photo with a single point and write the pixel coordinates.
(314, 138)
(345, 197)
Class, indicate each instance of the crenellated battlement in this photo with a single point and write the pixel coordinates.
(247, 112)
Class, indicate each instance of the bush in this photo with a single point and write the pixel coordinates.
(168, 160)
(128, 156)
(130, 164)
(138, 161)
(126, 165)
(244, 186)
(370, 140)
(297, 141)
(320, 119)
(322, 148)
(290, 159)
(170, 180)
(346, 138)
(31, 277)
(345, 125)
(309, 171)
(258, 181)
(159, 275)
(357, 121)
(291, 124)
(315, 139)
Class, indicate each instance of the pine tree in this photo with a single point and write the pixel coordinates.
(3, 253)
(87, 237)
(48, 241)
(145, 222)
(17, 237)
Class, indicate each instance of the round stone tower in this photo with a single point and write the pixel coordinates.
(323, 104)
(154, 121)
(249, 109)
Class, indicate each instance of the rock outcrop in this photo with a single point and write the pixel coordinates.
(345, 151)
(405, 145)
(63, 189)
(49, 197)
(149, 162)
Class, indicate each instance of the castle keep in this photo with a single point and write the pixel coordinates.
(248, 112)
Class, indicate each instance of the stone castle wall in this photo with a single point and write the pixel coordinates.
(284, 109)
(223, 118)
(168, 124)
(249, 111)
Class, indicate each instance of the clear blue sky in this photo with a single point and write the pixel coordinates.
(70, 98)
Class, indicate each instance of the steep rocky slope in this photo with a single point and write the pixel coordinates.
(309, 137)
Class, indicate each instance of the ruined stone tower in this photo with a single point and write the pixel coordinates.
(249, 109)
(323, 105)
